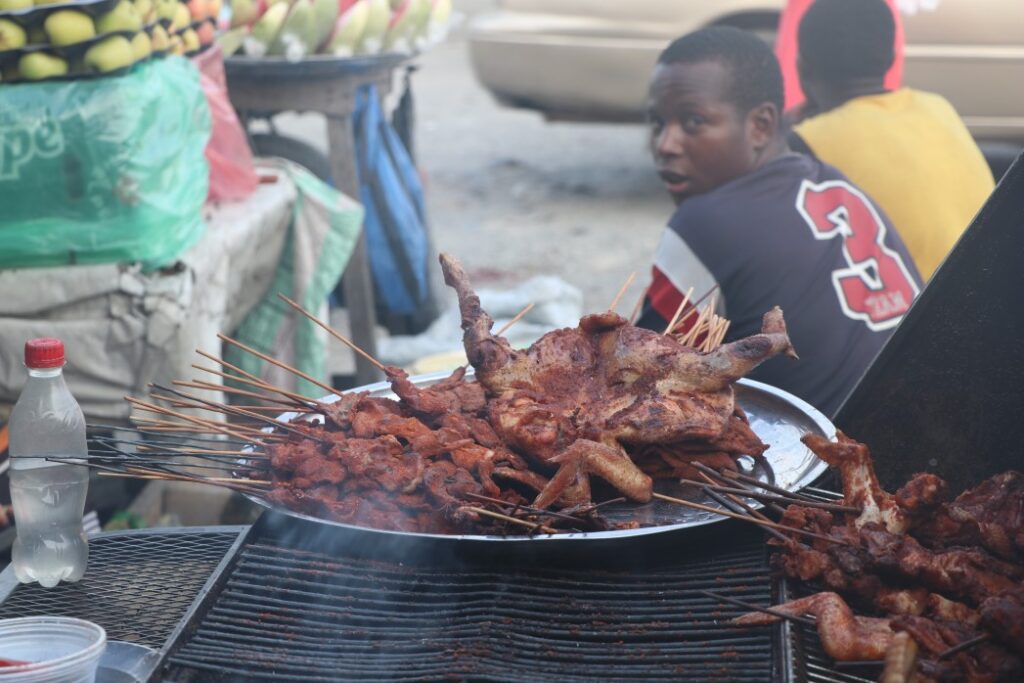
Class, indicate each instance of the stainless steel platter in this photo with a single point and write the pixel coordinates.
(776, 416)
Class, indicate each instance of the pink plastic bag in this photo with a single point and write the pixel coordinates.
(232, 173)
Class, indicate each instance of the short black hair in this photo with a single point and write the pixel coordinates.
(756, 76)
(841, 40)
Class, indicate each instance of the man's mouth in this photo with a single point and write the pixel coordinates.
(675, 183)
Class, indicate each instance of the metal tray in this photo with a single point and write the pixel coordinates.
(776, 416)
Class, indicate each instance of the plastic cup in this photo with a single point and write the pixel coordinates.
(56, 649)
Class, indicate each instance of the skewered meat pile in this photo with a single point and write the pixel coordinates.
(532, 428)
(579, 398)
(943, 572)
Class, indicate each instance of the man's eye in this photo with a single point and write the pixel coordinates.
(694, 121)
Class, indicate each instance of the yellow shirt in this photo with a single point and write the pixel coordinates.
(912, 154)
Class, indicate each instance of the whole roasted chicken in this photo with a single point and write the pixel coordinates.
(578, 398)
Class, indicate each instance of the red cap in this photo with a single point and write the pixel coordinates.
(44, 352)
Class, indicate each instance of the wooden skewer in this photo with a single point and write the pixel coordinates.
(277, 424)
(756, 608)
(622, 290)
(635, 314)
(797, 497)
(245, 433)
(210, 386)
(694, 307)
(331, 331)
(966, 645)
(679, 311)
(739, 501)
(273, 361)
(758, 495)
(723, 481)
(196, 480)
(518, 316)
(143, 405)
(535, 526)
(260, 384)
(745, 518)
(525, 508)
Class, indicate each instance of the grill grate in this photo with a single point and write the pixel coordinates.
(138, 585)
(294, 615)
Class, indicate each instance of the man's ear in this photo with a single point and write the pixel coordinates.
(763, 124)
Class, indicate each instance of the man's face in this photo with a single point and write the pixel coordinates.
(698, 137)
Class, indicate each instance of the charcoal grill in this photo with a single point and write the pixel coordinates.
(298, 601)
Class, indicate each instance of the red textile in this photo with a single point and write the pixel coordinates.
(786, 49)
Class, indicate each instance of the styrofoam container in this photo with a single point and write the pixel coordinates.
(57, 649)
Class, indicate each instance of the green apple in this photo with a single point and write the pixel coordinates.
(182, 18)
(145, 10)
(110, 54)
(160, 40)
(12, 36)
(37, 65)
(142, 46)
(14, 4)
(124, 17)
(68, 26)
(165, 9)
(190, 39)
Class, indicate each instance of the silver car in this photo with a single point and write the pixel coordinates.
(590, 60)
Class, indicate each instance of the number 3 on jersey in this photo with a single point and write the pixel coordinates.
(875, 286)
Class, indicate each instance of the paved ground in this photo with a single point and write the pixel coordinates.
(514, 196)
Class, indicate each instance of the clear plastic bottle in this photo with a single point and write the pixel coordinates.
(48, 497)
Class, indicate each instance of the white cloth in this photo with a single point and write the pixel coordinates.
(123, 329)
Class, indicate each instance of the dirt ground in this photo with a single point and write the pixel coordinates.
(514, 196)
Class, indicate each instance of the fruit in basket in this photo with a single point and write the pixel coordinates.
(401, 26)
(142, 46)
(376, 27)
(181, 19)
(244, 12)
(198, 9)
(206, 33)
(265, 30)
(325, 14)
(190, 39)
(298, 34)
(213, 8)
(146, 11)
(166, 9)
(12, 36)
(14, 4)
(68, 26)
(108, 55)
(47, 2)
(35, 66)
(349, 29)
(159, 39)
(230, 41)
(440, 18)
(177, 47)
(124, 17)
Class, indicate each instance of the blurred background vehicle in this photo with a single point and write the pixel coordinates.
(589, 60)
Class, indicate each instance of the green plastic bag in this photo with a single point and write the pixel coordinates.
(103, 170)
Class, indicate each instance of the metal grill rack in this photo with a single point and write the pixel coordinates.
(139, 585)
(287, 614)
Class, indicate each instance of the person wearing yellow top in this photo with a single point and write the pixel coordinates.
(907, 149)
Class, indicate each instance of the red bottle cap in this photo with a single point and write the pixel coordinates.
(44, 352)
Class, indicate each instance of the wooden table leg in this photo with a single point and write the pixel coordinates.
(356, 282)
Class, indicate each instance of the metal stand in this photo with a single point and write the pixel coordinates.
(326, 85)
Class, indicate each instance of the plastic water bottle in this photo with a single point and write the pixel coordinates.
(48, 497)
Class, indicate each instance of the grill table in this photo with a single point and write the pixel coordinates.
(326, 85)
(280, 601)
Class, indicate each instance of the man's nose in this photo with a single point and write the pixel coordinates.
(669, 141)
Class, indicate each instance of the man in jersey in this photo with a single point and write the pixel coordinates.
(906, 148)
(764, 225)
